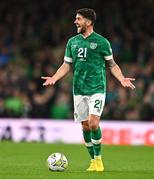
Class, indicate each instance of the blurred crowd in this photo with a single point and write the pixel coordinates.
(33, 36)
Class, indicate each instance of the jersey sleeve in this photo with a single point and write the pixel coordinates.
(107, 50)
(68, 54)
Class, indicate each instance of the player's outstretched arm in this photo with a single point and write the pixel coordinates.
(61, 72)
(116, 71)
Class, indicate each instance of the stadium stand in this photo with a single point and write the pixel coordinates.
(33, 35)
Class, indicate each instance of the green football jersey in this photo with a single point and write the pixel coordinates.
(88, 56)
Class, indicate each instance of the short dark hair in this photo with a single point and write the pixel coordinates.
(87, 13)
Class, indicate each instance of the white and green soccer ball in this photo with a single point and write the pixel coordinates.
(57, 162)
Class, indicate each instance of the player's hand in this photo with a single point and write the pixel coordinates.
(126, 82)
(48, 81)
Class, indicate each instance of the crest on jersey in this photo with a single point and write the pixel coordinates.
(93, 45)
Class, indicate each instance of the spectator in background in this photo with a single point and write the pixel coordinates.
(147, 108)
(31, 43)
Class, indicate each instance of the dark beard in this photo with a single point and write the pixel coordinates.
(83, 30)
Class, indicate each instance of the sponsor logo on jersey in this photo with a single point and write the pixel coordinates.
(93, 45)
(82, 59)
(74, 46)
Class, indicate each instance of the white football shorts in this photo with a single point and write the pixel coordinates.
(85, 105)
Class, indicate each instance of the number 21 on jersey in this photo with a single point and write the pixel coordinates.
(82, 52)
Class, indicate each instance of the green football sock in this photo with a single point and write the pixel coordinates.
(88, 143)
(96, 138)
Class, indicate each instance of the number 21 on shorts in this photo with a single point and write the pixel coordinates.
(98, 104)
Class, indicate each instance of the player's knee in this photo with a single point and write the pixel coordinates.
(85, 126)
(93, 123)
(93, 126)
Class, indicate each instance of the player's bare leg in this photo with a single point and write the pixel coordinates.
(96, 138)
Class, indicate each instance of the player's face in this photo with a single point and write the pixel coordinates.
(81, 23)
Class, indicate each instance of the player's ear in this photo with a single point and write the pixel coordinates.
(89, 22)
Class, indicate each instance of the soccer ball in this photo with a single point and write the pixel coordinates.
(57, 162)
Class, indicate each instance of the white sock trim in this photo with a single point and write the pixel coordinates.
(88, 144)
(96, 141)
(98, 156)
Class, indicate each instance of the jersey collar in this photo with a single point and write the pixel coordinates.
(87, 36)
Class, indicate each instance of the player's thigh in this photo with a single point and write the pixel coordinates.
(81, 108)
(96, 104)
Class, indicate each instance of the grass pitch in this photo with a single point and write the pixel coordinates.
(28, 160)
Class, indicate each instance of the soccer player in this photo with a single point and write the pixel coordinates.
(88, 53)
